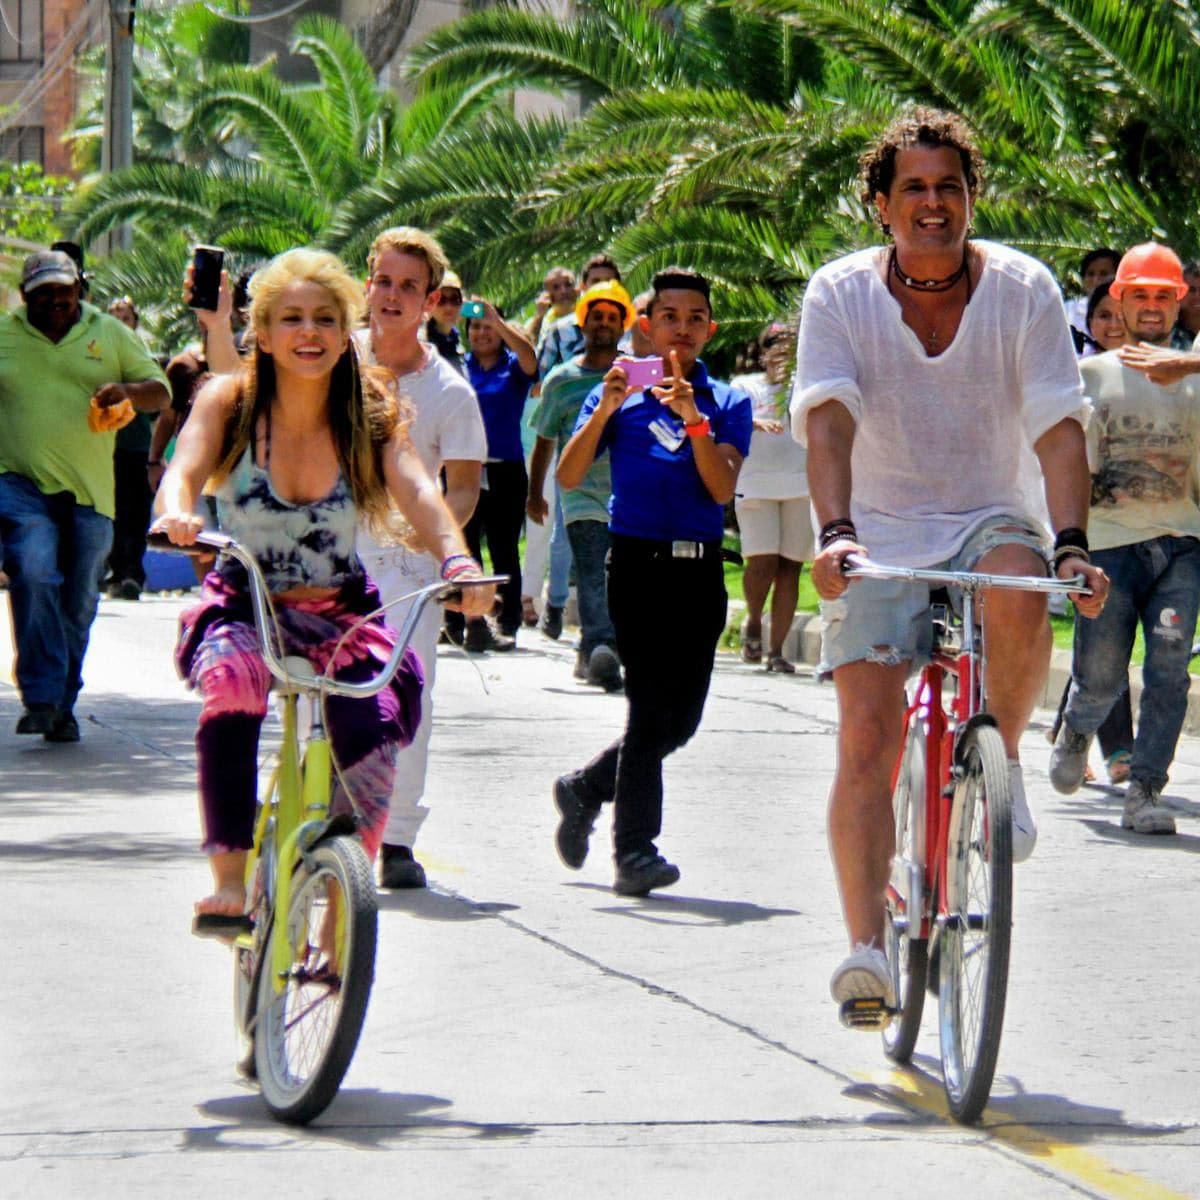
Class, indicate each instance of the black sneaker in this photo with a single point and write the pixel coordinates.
(129, 589)
(604, 668)
(481, 637)
(64, 729)
(37, 718)
(398, 869)
(551, 622)
(578, 821)
(639, 873)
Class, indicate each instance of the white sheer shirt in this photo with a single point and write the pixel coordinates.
(940, 443)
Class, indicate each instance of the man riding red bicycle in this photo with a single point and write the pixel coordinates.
(933, 377)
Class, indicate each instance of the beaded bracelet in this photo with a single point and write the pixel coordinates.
(457, 564)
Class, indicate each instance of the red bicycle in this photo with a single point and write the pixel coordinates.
(949, 899)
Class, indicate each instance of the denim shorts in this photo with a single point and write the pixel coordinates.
(888, 621)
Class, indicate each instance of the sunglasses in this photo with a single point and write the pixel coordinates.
(450, 297)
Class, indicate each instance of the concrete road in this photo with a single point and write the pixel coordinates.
(532, 1034)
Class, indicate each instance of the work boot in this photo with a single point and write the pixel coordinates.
(1144, 811)
(1068, 759)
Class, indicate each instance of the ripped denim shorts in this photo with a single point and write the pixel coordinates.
(888, 620)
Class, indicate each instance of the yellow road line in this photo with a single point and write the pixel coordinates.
(917, 1090)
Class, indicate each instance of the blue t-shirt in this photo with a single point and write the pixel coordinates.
(657, 491)
(502, 391)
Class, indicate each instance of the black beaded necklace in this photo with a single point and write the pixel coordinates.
(929, 285)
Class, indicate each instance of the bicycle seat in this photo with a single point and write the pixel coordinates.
(302, 677)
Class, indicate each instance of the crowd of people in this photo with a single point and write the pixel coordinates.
(937, 405)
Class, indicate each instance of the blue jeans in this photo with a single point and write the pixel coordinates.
(558, 587)
(54, 551)
(589, 546)
(1156, 583)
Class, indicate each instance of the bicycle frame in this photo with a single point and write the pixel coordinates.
(966, 665)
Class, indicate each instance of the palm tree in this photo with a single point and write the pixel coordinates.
(717, 133)
(326, 164)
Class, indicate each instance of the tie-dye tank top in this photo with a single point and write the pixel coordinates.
(297, 545)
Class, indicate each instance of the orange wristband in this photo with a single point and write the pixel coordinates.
(700, 429)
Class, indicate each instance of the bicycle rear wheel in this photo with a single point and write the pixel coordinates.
(974, 943)
(906, 949)
(306, 1034)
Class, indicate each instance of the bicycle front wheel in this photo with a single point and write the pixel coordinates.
(906, 949)
(974, 943)
(306, 1034)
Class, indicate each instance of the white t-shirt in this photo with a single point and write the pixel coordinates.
(1142, 444)
(446, 424)
(941, 443)
(775, 467)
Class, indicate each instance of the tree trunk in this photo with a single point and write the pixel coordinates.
(380, 36)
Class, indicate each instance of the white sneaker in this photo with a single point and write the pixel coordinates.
(1024, 831)
(865, 975)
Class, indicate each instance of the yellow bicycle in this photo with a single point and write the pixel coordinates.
(305, 954)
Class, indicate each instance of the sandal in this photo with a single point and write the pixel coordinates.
(751, 649)
(780, 665)
(1119, 763)
(529, 614)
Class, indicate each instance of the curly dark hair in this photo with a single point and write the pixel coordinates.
(919, 126)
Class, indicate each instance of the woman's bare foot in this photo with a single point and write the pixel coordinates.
(226, 902)
(229, 884)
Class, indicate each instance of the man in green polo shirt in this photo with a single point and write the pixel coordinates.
(65, 369)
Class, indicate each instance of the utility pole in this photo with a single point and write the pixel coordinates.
(118, 102)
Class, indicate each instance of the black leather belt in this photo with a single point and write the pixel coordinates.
(675, 549)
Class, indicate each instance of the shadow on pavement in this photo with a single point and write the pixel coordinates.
(429, 904)
(674, 909)
(100, 848)
(358, 1116)
(1111, 831)
(1033, 1123)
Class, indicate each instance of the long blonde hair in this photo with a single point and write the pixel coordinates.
(364, 409)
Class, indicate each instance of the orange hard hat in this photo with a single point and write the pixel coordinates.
(1149, 265)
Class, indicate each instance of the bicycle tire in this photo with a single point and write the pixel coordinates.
(975, 941)
(906, 954)
(306, 1035)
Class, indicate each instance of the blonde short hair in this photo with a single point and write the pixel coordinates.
(404, 239)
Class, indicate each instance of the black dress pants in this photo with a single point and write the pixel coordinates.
(669, 614)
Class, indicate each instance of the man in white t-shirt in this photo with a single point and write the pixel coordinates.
(926, 370)
(405, 268)
(1145, 532)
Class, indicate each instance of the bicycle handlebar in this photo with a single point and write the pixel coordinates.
(440, 592)
(857, 566)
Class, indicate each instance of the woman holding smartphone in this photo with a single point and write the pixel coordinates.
(296, 447)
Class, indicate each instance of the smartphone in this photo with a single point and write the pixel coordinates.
(207, 262)
(642, 372)
(473, 308)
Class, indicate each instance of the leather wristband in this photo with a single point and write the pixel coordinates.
(700, 429)
(1071, 536)
(837, 531)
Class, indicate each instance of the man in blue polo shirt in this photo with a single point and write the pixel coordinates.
(675, 450)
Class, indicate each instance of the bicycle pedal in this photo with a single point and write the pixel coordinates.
(869, 1015)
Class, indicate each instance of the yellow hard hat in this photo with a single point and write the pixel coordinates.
(612, 292)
